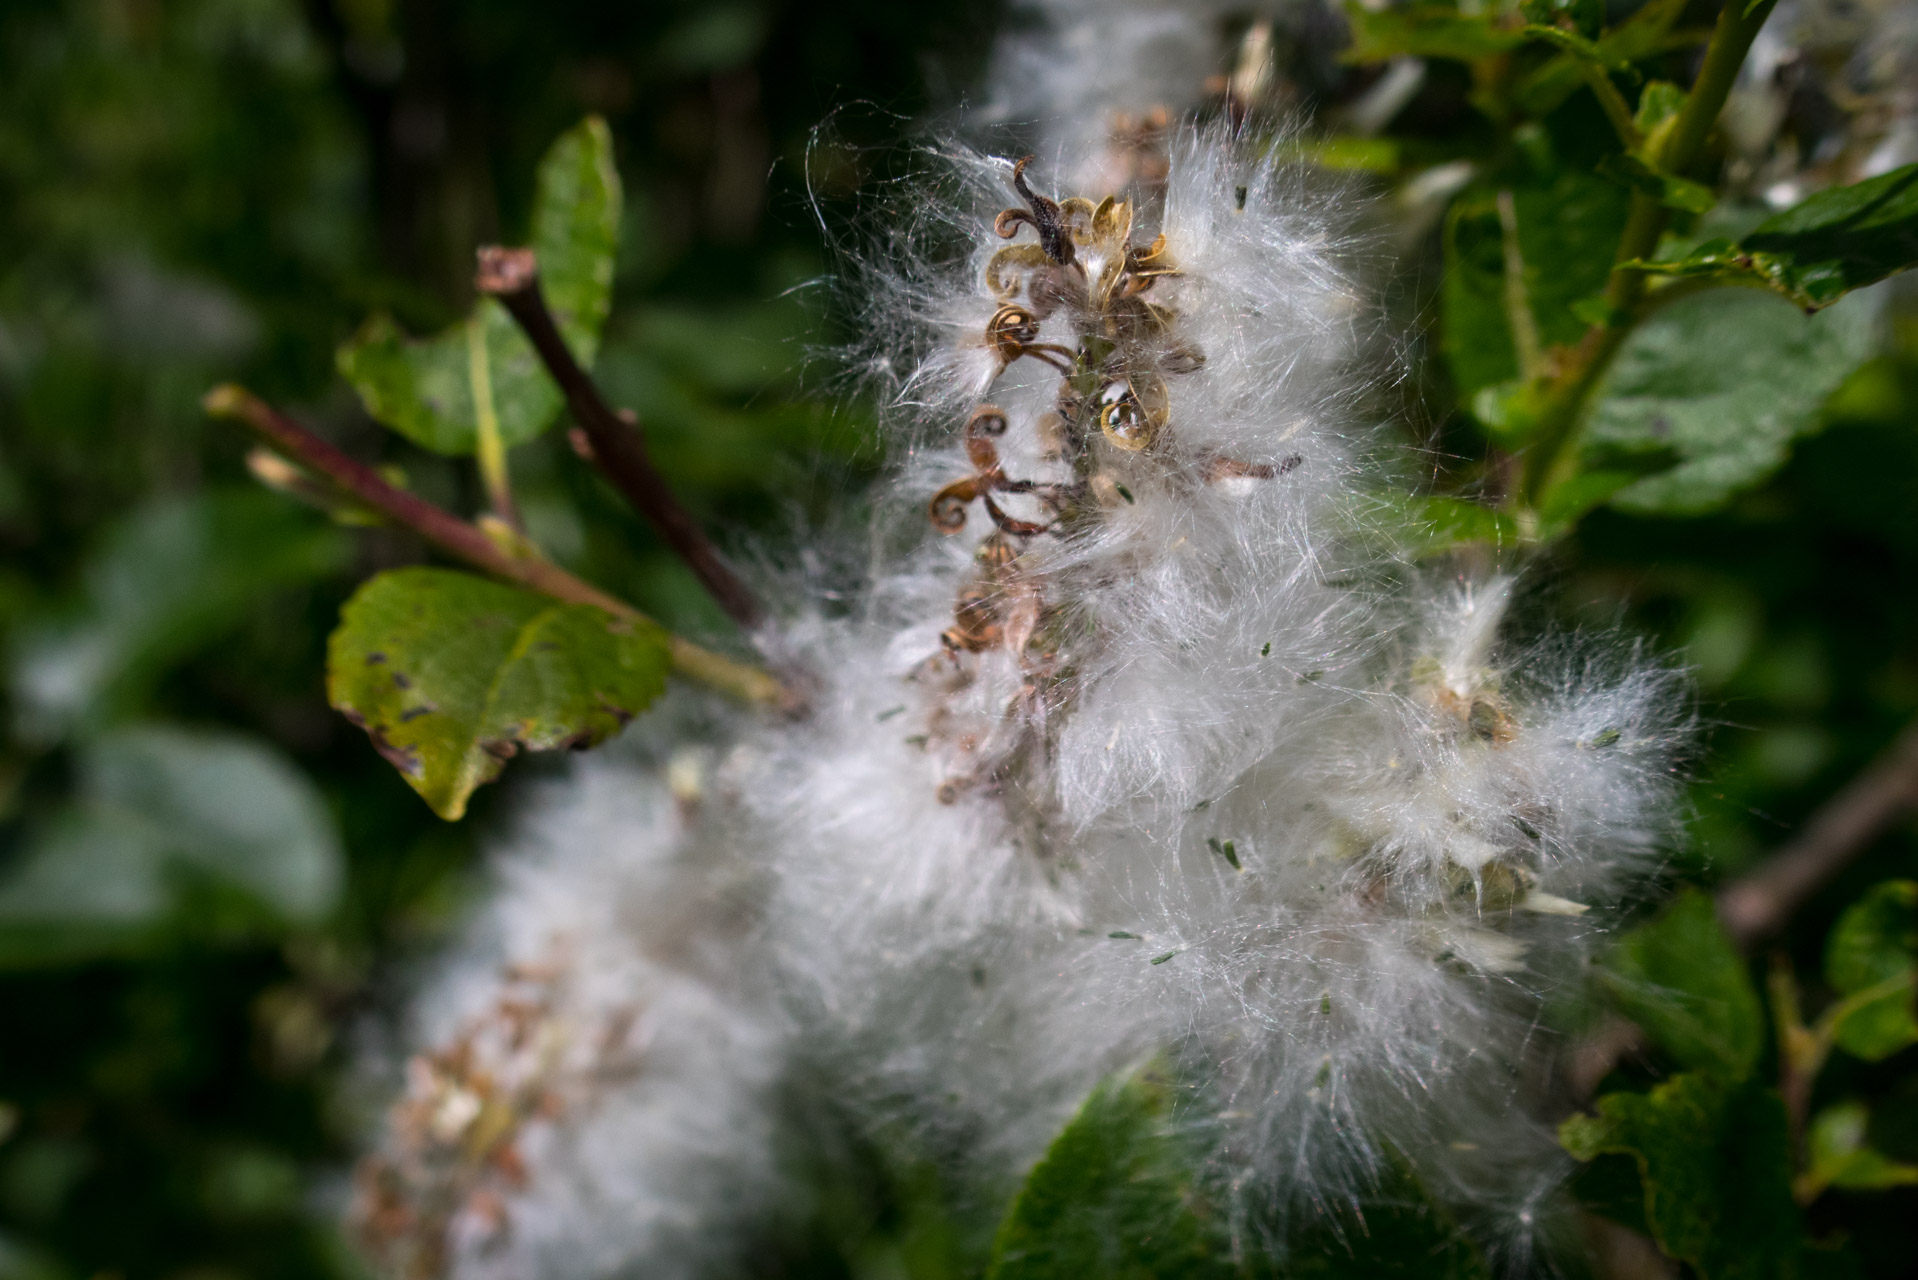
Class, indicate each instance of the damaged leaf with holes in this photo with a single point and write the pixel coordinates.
(451, 674)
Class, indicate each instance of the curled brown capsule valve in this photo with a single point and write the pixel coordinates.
(1132, 411)
(987, 423)
(1013, 331)
(948, 508)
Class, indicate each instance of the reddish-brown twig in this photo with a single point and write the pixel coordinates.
(618, 443)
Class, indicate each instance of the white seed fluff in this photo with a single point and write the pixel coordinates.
(1147, 742)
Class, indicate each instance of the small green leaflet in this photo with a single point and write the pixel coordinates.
(1821, 249)
(450, 674)
(1713, 1170)
(1871, 959)
(425, 389)
(1680, 979)
(1835, 1142)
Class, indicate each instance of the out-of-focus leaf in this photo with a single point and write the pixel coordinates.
(1606, 472)
(425, 389)
(1439, 523)
(1347, 153)
(1567, 228)
(451, 674)
(1874, 948)
(1714, 1171)
(1647, 32)
(1395, 1231)
(1580, 47)
(158, 809)
(1839, 1156)
(1817, 251)
(1727, 379)
(1680, 979)
(165, 581)
(1113, 1196)
(1672, 191)
(1658, 108)
(1427, 31)
(1586, 16)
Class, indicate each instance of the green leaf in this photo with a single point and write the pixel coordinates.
(425, 389)
(1426, 31)
(1580, 47)
(1714, 1171)
(1576, 497)
(1671, 191)
(1872, 957)
(167, 580)
(162, 814)
(1839, 1156)
(1437, 523)
(1568, 226)
(1646, 33)
(1681, 980)
(1395, 1231)
(1586, 16)
(1658, 105)
(1113, 1196)
(1826, 246)
(1728, 379)
(451, 674)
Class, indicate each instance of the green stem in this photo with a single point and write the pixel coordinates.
(1550, 458)
(1613, 101)
(469, 543)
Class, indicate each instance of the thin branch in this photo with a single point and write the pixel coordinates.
(1760, 903)
(1757, 905)
(467, 542)
(619, 446)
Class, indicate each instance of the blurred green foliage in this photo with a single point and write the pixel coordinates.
(200, 864)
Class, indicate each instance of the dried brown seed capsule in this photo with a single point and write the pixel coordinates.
(1132, 411)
